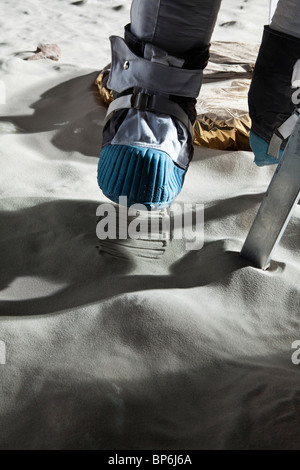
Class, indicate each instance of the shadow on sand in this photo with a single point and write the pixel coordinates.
(74, 109)
(56, 241)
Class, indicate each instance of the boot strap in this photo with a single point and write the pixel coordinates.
(282, 133)
(146, 102)
(131, 71)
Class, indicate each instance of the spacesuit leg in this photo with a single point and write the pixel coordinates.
(274, 102)
(155, 75)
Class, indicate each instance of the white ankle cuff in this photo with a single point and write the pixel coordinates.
(157, 131)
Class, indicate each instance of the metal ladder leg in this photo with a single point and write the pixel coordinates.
(277, 206)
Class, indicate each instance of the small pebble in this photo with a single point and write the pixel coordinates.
(46, 51)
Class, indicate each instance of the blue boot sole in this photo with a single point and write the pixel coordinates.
(145, 176)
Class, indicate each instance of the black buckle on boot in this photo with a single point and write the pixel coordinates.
(141, 101)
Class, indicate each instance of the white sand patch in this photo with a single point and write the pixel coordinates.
(24, 287)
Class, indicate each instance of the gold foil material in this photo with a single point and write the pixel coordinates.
(231, 134)
(101, 82)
